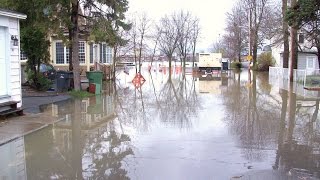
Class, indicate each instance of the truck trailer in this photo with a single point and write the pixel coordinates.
(209, 61)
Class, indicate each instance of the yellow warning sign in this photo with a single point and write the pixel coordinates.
(249, 58)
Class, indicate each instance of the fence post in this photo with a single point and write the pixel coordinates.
(305, 78)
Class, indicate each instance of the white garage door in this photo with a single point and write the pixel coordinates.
(3, 63)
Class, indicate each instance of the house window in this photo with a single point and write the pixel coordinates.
(109, 54)
(91, 53)
(63, 53)
(301, 38)
(105, 53)
(310, 62)
(82, 52)
(23, 55)
(60, 53)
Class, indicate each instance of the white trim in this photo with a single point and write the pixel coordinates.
(13, 15)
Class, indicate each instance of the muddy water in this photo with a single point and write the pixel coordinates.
(172, 126)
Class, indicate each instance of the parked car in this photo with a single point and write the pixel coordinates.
(48, 71)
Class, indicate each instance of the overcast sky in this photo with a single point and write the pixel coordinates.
(210, 12)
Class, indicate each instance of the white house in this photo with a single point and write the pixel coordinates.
(307, 57)
(10, 81)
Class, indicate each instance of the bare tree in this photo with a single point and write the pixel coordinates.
(187, 32)
(168, 37)
(235, 40)
(256, 10)
(143, 27)
(195, 37)
(138, 35)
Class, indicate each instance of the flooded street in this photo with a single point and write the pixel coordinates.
(229, 125)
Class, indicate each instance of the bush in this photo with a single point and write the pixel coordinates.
(236, 65)
(265, 60)
(39, 81)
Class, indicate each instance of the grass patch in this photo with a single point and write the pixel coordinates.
(80, 94)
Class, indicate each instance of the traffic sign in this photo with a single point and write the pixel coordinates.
(138, 80)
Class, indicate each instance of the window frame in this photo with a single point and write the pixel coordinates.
(313, 62)
(66, 53)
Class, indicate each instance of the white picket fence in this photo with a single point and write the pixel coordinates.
(277, 72)
(301, 77)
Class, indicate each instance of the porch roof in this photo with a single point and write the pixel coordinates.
(13, 14)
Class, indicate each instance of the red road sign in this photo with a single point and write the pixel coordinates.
(138, 80)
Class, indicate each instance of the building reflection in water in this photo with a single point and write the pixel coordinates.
(13, 162)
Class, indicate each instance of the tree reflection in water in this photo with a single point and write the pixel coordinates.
(264, 121)
(298, 144)
(178, 101)
(173, 104)
(251, 116)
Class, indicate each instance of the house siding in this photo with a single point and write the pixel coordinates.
(14, 79)
(302, 61)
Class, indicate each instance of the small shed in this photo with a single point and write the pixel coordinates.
(10, 69)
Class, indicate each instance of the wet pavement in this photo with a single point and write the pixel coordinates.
(230, 125)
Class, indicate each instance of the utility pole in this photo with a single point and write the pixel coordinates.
(250, 26)
(249, 38)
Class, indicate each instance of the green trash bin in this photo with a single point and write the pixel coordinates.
(95, 77)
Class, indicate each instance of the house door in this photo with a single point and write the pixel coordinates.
(3, 63)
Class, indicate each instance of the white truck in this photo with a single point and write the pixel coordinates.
(209, 61)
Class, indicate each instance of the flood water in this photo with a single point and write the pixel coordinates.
(230, 125)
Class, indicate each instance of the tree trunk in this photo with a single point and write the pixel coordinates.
(170, 59)
(293, 51)
(140, 50)
(318, 54)
(255, 48)
(285, 28)
(70, 50)
(114, 62)
(193, 53)
(294, 47)
(75, 44)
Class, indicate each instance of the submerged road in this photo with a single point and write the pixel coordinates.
(173, 125)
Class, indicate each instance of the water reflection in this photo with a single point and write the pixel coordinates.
(175, 126)
(83, 145)
(298, 144)
(264, 119)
